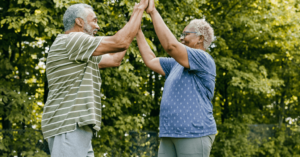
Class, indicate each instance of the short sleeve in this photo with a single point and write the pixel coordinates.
(167, 64)
(201, 61)
(81, 46)
(97, 59)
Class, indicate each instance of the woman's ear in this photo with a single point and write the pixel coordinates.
(79, 22)
(201, 39)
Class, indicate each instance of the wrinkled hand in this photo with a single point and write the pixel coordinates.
(151, 7)
(144, 4)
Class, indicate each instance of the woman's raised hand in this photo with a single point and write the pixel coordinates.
(151, 7)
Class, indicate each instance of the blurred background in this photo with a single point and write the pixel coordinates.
(256, 50)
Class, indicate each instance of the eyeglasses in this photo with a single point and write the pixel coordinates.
(185, 34)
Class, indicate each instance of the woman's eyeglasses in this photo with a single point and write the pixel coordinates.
(185, 34)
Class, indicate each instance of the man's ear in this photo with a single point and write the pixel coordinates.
(79, 22)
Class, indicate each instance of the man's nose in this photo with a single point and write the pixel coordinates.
(97, 27)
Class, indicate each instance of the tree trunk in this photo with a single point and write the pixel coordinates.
(225, 108)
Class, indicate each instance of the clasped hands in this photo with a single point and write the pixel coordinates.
(147, 5)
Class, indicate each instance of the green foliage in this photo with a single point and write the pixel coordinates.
(24, 143)
(256, 52)
(232, 139)
(284, 143)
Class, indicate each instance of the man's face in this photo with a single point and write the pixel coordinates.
(90, 26)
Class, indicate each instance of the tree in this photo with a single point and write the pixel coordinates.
(253, 52)
(256, 52)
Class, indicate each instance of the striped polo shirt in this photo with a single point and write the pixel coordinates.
(74, 84)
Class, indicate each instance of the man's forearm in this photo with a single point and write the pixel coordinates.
(118, 57)
(111, 60)
(144, 48)
(129, 31)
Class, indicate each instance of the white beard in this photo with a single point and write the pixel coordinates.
(88, 29)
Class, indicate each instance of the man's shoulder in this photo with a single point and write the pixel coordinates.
(76, 33)
(69, 35)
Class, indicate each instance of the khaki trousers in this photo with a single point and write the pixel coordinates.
(186, 147)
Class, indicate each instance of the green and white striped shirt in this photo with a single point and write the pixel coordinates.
(74, 84)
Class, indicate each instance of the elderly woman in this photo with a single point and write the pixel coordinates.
(186, 123)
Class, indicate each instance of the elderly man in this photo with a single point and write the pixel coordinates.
(73, 108)
(186, 124)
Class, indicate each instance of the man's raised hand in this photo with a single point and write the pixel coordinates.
(143, 4)
(151, 7)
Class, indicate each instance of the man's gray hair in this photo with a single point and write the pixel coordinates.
(203, 28)
(74, 11)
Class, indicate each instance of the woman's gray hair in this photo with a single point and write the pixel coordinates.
(203, 28)
(74, 11)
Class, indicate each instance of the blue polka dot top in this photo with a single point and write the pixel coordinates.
(186, 110)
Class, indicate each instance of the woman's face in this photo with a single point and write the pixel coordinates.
(189, 37)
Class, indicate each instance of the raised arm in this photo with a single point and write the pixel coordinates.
(148, 56)
(174, 48)
(122, 39)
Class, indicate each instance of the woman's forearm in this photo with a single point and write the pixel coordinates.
(165, 36)
(144, 48)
